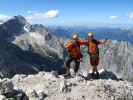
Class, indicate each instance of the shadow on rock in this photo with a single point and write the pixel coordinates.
(9, 93)
(103, 74)
(19, 95)
(14, 60)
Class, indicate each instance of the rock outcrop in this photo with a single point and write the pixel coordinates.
(6, 86)
(46, 86)
(51, 86)
(7, 91)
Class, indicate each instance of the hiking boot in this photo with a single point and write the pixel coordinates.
(97, 75)
(92, 75)
(73, 75)
(67, 75)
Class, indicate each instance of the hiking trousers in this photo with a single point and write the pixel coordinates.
(68, 62)
(94, 59)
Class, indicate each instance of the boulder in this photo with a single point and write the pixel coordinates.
(6, 86)
(37, 95)
(2, 97)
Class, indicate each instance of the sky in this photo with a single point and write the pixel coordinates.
(69, 12)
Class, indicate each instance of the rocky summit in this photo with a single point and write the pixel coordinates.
(51, 86)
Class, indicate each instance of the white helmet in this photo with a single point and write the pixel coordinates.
(74, 35)
(90, 34)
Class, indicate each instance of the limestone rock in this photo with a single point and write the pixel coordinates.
(2, 97)
(6, 86)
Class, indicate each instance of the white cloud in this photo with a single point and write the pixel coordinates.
(113, 17)
(38, 16)
(130, 15)
(4, 18)
(52, 13)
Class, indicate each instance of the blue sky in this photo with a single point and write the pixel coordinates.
(70, 11)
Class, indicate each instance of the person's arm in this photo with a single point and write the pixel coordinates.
(83, 42)
(68, 45)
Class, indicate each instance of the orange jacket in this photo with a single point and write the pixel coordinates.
(74, 48)
(93, 46)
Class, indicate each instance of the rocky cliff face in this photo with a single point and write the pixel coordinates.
(118, 57)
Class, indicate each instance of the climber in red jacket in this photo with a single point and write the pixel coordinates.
(74, 53)
(93, 52)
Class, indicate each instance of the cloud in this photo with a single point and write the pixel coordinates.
(113, 17)
(130, 15)
(4, 18)
(52, 13)
(38, 16)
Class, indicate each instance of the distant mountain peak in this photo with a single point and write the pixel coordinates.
(13, 27)
(20, 18)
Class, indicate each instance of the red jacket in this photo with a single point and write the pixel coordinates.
(74, 48)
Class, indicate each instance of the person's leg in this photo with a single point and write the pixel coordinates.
(94, 69)
(94, 60)
(67, 65)
(92, 64)
(96, 64)
(77, 64)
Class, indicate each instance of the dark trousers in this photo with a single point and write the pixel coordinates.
(68, 64)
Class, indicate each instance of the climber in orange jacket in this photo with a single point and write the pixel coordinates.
(93, 52)
(74, 53)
